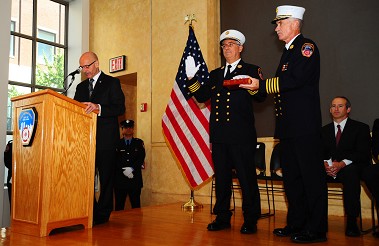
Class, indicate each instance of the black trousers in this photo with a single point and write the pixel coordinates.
(241, 158)
(121, 195)
(350, 177)
(105, 163)
(9, 186)
(304, 179)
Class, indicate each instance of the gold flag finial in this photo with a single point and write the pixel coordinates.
(190, 18)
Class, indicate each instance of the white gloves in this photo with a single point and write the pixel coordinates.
(191, 68)
(128, 172)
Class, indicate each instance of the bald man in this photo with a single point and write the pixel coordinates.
(103, 93)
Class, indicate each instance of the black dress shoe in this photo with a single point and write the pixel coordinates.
(376, 234)
(352, 231)
(218, 226)
(248, 228)
(286, 231)
(308, 237)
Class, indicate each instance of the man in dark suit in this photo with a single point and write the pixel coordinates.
(346, 151)
(131, 156)
(371, 173)
(103, 93)
(8, 164)
(232, 131)
(296, 90)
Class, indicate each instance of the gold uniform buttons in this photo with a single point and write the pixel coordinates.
(216, 119)
(228, 93)
(217, 100)
(218, 94)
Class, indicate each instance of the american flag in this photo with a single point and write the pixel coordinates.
(186, 123)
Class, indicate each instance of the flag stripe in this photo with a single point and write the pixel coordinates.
(198, 141)
(186, 124)
(185, 151)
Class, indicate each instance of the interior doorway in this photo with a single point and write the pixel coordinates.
(129, 87)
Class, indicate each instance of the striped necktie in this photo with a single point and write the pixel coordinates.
(90, 87)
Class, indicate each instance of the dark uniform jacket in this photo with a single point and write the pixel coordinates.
(8, 159)
(133, 156)
(232, 117)
(375, 139)
(296, 89)
(108, 94)
(354, 144)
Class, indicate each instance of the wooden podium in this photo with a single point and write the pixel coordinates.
(53, 177)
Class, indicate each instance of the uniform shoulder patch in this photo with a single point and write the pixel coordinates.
(307, 49)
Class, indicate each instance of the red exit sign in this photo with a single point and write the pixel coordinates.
(117, 64)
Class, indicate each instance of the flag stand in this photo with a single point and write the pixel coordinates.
(192, 204)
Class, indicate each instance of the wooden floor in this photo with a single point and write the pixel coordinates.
(170, 225)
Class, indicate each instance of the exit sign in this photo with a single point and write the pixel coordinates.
(117, 64)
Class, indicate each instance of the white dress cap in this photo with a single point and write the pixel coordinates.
(287, 11)
(233, 34)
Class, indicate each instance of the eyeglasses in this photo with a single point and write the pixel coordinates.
(229, 45)
(87, 66)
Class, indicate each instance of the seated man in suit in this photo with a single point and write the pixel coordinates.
(346, 150)
(371, 173)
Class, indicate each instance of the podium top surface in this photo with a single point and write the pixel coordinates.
(48, 91)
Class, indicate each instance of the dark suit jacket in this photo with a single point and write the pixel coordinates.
(296, 91)
(130, 156)
(354, 144)
(375, 139)
(232, 117)
(108, 94)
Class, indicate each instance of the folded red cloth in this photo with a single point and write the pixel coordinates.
(234, 83)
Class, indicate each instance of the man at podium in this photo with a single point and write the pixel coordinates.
(102, 93)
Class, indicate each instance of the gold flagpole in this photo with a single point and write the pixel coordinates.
(189, 18)
(191, 204)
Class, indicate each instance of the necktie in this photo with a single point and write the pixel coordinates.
(90, 87)
(338, 135)
(227, 75)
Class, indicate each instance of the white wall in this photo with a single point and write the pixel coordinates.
(5, 20)
(78, 38)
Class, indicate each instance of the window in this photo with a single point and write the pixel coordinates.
(38, 48)
(45, 52)
(11, 50)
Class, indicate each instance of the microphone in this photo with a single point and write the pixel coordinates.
(72, 74)
(77, 71)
